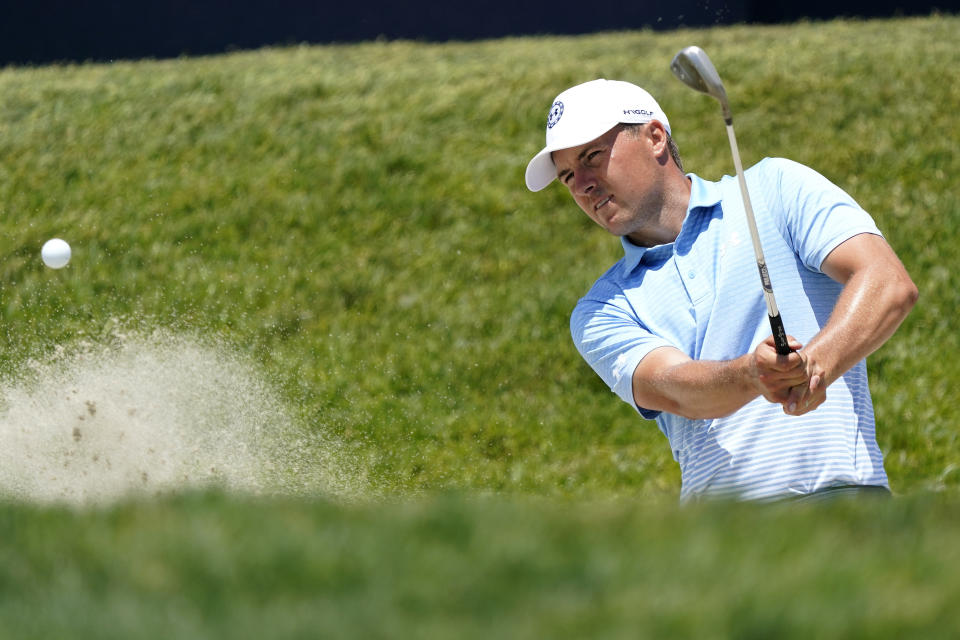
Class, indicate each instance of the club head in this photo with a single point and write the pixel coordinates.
(693, 67)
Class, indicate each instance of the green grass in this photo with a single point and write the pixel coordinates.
(205, 565)
(353, 220)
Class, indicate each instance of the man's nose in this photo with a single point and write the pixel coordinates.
(585, 182)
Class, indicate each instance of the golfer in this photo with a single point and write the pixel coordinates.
(678, 327)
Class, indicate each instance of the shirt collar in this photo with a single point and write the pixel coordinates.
(703, 195)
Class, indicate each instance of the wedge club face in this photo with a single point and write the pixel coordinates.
(694, 68)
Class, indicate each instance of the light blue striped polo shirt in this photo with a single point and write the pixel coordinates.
(702, 295)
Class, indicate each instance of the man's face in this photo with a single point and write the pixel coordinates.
(614, 178)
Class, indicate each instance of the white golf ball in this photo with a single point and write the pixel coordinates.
(55, 253)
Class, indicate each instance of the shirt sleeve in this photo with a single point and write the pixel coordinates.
(817, 215)
(613, 341)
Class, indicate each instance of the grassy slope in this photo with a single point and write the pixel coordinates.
(354, 218)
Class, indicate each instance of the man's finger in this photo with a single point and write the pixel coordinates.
(789, 362)
(814, 383)
(796, 395)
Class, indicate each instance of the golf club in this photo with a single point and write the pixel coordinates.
(694, 69)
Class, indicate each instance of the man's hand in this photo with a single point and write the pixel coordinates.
(804, 398)
(775, 375)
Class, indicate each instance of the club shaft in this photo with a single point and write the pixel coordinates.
(776, 323)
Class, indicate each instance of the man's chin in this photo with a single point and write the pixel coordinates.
(618, 230)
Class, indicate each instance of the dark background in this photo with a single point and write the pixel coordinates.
(60, 30)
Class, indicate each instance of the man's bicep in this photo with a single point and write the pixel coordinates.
(865, 250)
(648, 389)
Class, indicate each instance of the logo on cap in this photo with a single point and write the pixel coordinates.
(554, 116)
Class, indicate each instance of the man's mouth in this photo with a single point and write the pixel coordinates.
(602, 203)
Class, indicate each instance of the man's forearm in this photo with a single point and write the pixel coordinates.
(877, 295)
(703, 389)
(668, 380)
(866, 315)
(874, 302)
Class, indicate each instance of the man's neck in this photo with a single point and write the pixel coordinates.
(673, 211)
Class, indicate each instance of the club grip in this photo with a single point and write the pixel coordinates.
(779, 335)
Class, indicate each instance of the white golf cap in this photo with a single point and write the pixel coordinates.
(585, 112)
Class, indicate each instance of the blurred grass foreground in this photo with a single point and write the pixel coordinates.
(308, 372)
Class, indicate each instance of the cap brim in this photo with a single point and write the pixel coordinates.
(540, 170)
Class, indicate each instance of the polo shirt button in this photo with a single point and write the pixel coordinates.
(692, 275)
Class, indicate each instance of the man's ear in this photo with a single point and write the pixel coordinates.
(658, 136)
